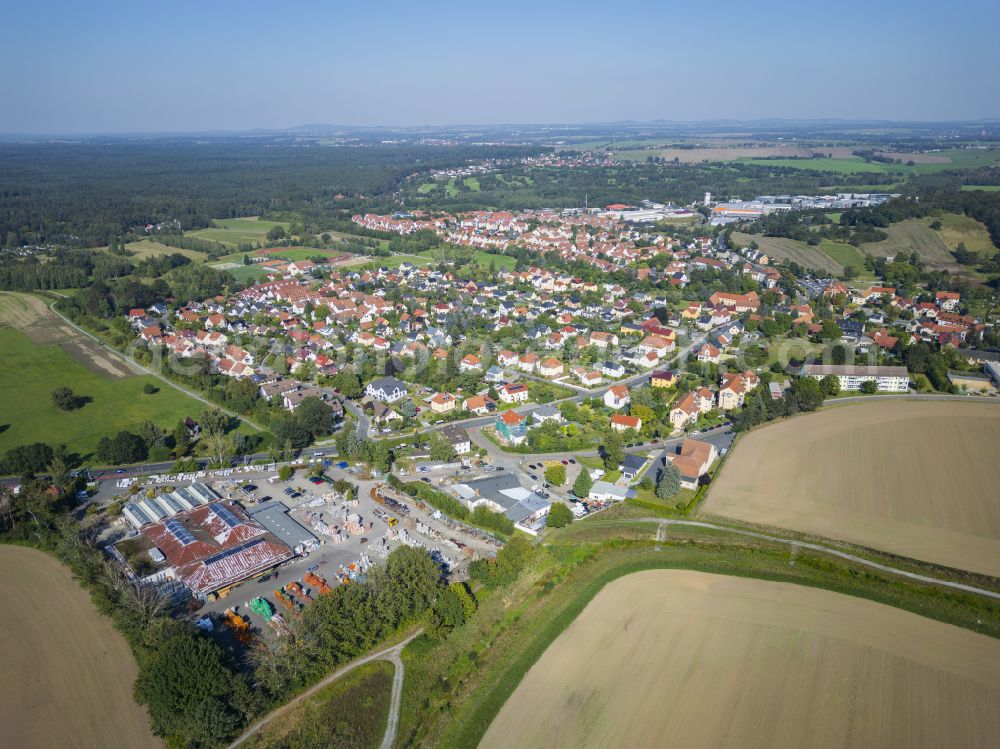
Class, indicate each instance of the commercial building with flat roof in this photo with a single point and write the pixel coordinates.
(273, 515)
(503, 493)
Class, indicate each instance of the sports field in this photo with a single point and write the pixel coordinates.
(676, 658)
(915, 478)
(40, 353)
(66, 675)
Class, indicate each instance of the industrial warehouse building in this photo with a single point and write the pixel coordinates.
(273, 515)
(144, 511)
(504, 493)
(213, 546)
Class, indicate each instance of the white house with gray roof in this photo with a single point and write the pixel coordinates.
(386, 389)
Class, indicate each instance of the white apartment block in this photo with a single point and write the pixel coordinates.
(888, 379)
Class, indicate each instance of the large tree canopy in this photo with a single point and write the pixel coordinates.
(188, 690)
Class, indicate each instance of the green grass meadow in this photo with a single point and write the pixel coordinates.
(844, 254)
(30, 372)
(350, 713)
(957, 227)
(958, 158)
(237, 231)
(145, 248)
(288, 253)
(392, 261)
(483, 259)
(247, 272)
(836, 166)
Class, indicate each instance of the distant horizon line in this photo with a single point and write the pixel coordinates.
(417, 128)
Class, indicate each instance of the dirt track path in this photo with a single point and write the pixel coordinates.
(392, 724)
(815, 547)
(391, 654)
(132, 362)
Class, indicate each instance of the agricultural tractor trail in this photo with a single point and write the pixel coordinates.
(133, 363)
(391, 654)
(392, 724)
(661, 533)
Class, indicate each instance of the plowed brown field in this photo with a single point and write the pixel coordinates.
(675, 658)
(65, 674)
(918, 479)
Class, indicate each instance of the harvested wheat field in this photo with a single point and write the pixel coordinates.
(65, 675)
(32, 316)
(675, 658)
(915, 478)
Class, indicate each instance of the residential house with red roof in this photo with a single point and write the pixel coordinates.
(624, 422)
(734, 388)
(749, 302)
(479, 405)
(617, 396)
(693, 459)
(442, 403)
(550, 367)
(511, 427)
(707, 352)
(469, 363)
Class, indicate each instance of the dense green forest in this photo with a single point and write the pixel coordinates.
(551, 187)
(81, 193)
(108, 284)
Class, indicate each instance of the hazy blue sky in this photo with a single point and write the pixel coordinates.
(218, 64)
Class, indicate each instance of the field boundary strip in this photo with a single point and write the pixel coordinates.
(823, 550)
